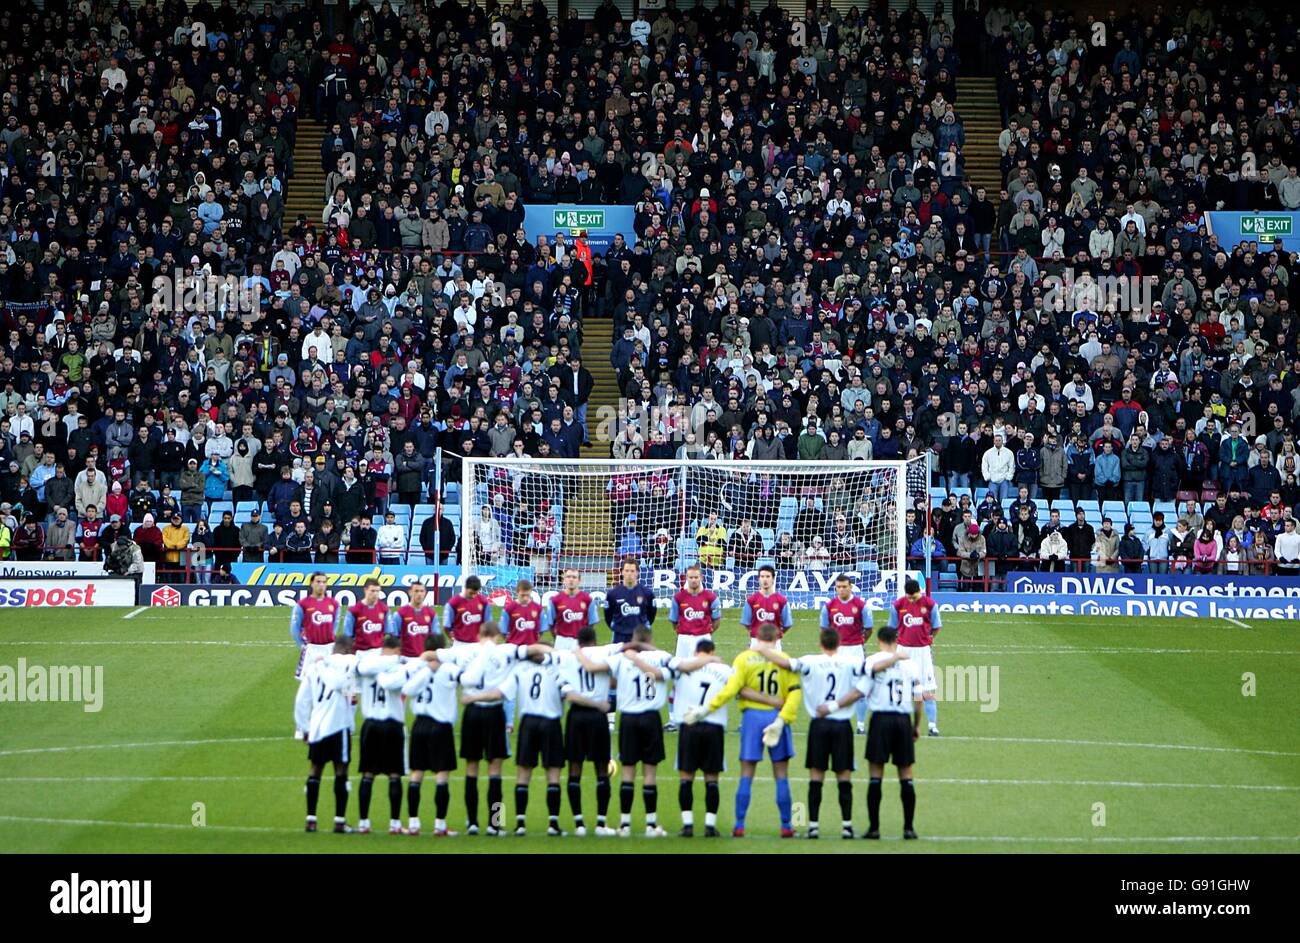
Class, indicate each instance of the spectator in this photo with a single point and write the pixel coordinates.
(254, 538)
(998, 468)
(175, 543)
(61, 536)
(193, 485)
(1105, 548)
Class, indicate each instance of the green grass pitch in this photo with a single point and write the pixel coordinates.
(1116, 735)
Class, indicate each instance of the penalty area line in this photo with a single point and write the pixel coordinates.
(135, 612)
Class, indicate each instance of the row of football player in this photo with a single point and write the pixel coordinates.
(694, 612)
(769, 686)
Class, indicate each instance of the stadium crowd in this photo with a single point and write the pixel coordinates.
(814, 277)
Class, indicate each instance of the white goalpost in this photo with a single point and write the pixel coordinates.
(523, 518)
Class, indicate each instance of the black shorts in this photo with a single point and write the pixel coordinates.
(433, 746)
(641, 739)
(830, 744)
(336, 748)
(383, 747)
(483, 733)
(586, 737)
(890, 735)
(702, 747)
(540, 739)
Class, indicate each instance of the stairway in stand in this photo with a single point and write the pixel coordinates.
(307, 186)
(977, 106)
(588, 541)
(602, 409)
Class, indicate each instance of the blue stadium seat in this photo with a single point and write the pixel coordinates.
(425, 509)
(1064, 505)
(1115, 510)
(1167, 508)
(1041, 504)
(769, 538)
(245, 507)
(1006, 504)
(1089, 504)
(1139, 508)
(218, 506)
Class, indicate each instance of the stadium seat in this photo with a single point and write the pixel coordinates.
(1140, 508)
(1184, 496)
(1041, 504)
(425, 509)
(1115, 510)
(1209, 495)
(1088, 506)
(245, 507)
(1064, 505)
(216, 507)
(769, 538)
(1167, 508)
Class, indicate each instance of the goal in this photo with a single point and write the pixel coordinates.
(809, 520)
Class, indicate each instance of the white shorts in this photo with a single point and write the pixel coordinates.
(309, 653)
(753, 643)
(686, 644)
(855, 652)
(457, 643)
(923, 658)
(565, 643)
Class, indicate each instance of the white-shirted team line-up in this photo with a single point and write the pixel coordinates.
(495, 677)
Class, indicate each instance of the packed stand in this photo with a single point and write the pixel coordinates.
(813, 277)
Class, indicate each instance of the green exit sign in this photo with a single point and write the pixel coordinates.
(1265, 224)
(579, 219)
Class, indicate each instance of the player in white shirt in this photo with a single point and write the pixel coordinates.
(586, 733)
(825, 677)
(641, 675)
(323, 708)
(383, 731)
(431, 690)
(536, 688)
(893, 688)
(701, 747)
(483, 726)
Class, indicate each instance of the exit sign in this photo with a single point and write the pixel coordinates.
(1265, 224)
(579, 219)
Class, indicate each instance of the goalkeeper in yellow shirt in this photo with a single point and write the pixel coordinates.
(769, 702)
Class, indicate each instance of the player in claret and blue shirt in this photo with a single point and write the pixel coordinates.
(312, 623)
(413, 622)
(764, 606)
(695, 613)
(848, 615)
(465, 613)
(364, 621)
(916, 617)
(568, 611)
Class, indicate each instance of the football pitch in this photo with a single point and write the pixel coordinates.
(1060, 734)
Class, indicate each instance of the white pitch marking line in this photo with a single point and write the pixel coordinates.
(135, 612)
(1238, 624)
(145, 744)
(1250, 787)
(998, 839)
(152, 642)
(1120, 744)
(1068, 650)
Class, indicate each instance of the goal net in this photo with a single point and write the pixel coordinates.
(809, 520)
